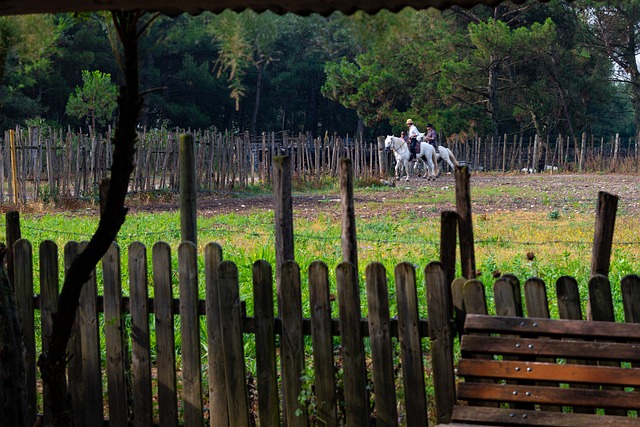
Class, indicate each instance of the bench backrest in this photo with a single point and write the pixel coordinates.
(527, 371)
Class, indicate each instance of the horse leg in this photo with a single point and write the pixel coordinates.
(406, 168)
(434, 159)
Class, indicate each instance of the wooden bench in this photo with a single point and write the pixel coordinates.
(527, 371)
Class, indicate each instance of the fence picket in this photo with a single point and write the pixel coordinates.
(140, 349)
(568, 298)
(355, 381)
(237, 398)
(90, 350)
(23, 286)
(323, 363)
(410, 344)
(217, 383)
(190, 334)
(630, 286)
(475, 301)
(266, 364)
(116, 347)
(48, 307)
(381, 348)
(504, 295)
(74, 349)
(292, 345)
(536, 298)
(165, 335)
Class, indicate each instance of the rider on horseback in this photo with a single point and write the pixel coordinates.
(413, 138)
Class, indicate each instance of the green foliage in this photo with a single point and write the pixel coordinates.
(96, 99)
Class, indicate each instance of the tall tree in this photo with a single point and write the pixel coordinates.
(616, 31)
(27, 43)
(129, 26)
(245, 39)
(96, 99)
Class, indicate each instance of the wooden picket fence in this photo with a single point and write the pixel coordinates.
(51, 164)
(137, 360)
(180, 359)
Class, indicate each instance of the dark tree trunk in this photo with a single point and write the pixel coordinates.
(53, 364)
(13, 373)
(256, 107)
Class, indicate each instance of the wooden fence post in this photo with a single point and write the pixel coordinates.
(188, 190)
(448, 240)
(603, 238)
(283, 213)
(13, 234)
(349, 241)
(14, 167)
(465, 226)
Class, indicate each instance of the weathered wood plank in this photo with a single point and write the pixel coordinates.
(322, 341)
(217, 383)
(292, 345)
(541, 395)
(519, 369)
(116, 346)
(266, 364)
(555, 348)
(48, 306)
(538, 418)
(355, 391)
(90, 348)
(235, 370)
(22, 282)
(441, 339)
(140, 347)
(549, 327)
(381, 350)
(165, 335)
(190, 334)
(568, 298)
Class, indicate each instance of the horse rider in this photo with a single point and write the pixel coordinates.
(431, 137)
(413, 137)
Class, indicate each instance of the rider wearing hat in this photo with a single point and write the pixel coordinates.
(413, 137)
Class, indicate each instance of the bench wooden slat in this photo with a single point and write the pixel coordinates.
(549, 395)
(510, 417)
(553, 327)
(540, 371)
(550, 347)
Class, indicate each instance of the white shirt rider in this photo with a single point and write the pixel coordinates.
(413, 131)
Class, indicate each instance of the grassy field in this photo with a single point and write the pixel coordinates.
(551, 217)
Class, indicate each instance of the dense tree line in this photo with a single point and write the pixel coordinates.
(554, 67)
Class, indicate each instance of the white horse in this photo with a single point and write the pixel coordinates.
(401, 151)
(443, 153)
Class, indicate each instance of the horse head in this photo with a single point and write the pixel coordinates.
(388, 142)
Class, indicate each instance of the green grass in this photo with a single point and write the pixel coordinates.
(561, 242)
(559, 238)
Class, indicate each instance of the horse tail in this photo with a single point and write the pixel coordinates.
(453, 158)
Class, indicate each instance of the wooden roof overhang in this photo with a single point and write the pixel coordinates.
(176, 7)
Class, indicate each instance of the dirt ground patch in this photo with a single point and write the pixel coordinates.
(489, 193)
